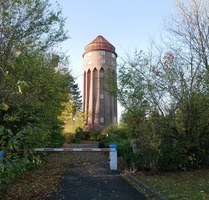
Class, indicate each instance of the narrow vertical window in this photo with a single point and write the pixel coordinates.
(101, 96)
(113, 55)
(102, 53)
(102, 60)
(101, 119)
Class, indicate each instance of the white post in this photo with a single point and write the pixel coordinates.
(113, 157)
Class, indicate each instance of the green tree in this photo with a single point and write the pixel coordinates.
(27, 26)
(184, 71)
(131, 91)
(31, 92)
(28, 30)
(140, 114)
(75, 95)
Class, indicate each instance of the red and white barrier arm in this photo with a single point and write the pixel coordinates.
(112, 152)
(73, 149)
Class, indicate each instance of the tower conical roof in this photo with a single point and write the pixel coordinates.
(99, 43)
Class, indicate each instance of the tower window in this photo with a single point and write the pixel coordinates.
(89, 62)
(89, 54)
(102, 60)
(101, 119)
(101, 96)
(102, 53)
(113, 55)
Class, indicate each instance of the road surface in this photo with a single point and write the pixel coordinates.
(89, 178)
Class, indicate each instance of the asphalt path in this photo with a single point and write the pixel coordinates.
(89, 178)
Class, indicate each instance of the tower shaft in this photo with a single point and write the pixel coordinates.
(99, 106)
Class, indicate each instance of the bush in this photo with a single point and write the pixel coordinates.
(173, 155)
(94, 135)
(119, 137)
(18, 157)
(86, 135)
(126, 152)
(114, 131)
(78, 134)
(121, 133)
(148, 151)
(57, 139)
(10, 171)
(69, 137)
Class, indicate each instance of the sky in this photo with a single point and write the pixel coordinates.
(128, 25)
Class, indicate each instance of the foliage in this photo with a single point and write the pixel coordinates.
(75, 95)
(18, 157)
(29, 116)
(165, 93)
(71, 120)
(131, 91)
(79, 135)
(172, 156)
(118, 136)
(56, 136)
(71, 114)
(31, 93)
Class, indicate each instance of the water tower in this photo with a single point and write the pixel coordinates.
(99, 60)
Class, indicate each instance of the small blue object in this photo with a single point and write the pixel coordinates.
(113, 146)
(1, 154)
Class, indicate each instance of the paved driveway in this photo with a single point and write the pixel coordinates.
(89, 178)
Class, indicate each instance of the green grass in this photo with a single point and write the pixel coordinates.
(190, 185)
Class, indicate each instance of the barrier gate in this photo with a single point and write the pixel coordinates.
(112, 152)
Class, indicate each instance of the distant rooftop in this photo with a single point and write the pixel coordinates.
(99, 43)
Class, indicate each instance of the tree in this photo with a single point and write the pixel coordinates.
(190, 30)
(31, 92)
(136, 95)
(27, 26)
(75, 95)
(187, 76)
(131, 90)
(28, 30)
(173, 82)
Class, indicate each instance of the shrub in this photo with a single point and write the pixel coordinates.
(69, 137)
(56, 136)
(17, 158)
(172, 157)
(148, 151)
(94, 135)
(57, 139)
(125, 151)
(78, 134)
(114, 131)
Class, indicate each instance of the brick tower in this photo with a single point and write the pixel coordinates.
(99, 107)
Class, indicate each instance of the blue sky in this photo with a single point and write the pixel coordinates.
(128, 25)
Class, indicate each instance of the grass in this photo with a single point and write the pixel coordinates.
(189, 185)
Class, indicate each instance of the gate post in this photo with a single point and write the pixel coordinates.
(113, 157)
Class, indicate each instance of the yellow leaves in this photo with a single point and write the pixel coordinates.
(42, 182)
(192, 158)
(19, 89)
(4, 107)
(21, 85)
